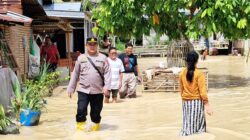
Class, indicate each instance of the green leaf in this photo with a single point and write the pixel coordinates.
(95, 30)
(113, 3)
(204, 13)
(190, 3)
(230, 7)
(218, 4)
(247, 10)
(233, 19)
(4, 120)
(234, 3)
(112, 29)
(209, 11)
(242, 24)
(2, 113)
(214, 27)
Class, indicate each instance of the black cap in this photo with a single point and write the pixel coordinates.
(92, 40)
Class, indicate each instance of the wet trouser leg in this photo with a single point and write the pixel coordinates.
(52, 67)
(96, 104)
(114, 93)
(82, 105)
(132, 86)
(124, 88)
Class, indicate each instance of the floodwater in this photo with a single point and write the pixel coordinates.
(156, 116)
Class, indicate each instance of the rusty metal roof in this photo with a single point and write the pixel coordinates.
(14, 17)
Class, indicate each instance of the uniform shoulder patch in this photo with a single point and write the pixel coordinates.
(82, 58)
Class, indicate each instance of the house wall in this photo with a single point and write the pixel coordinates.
(11, 5)
(18, 38)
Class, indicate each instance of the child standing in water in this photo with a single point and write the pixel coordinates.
(117, 68)
(194, 97)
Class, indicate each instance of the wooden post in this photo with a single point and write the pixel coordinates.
(68, 49)
(85, 31)
(24, 41)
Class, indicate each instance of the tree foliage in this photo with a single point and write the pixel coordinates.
(175, 18)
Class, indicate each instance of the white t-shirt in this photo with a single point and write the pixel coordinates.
(116, 67)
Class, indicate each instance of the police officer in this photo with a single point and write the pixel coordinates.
(93, 70)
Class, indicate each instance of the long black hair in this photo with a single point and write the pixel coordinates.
(191, 60)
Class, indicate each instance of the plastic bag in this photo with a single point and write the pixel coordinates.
(34, 64)
(34, 60)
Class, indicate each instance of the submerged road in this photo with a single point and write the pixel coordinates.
(156, 116)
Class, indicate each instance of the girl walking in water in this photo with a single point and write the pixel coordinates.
(194, 97)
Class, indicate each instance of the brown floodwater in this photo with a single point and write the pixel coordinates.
(155, 116)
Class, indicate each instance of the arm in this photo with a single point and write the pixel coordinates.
(57, 54)
(203, 93)
(121, 74)
(181, 84)
(42, 56)
(74, 78)
(202, 88)
(107, 76)
(120, 80)
(137, 70)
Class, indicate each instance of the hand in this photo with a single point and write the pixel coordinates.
(105, 91)
(70, 94)
(208, 110)
(120, 85)
(139, 78)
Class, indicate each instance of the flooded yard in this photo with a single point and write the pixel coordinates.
(155, 116)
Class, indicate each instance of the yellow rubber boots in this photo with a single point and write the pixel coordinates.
(81, 126)
(95, 127)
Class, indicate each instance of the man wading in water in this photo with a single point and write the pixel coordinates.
(95, 77)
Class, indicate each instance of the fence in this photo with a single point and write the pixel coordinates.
(175, 52)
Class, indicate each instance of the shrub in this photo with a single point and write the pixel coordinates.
(4, 120)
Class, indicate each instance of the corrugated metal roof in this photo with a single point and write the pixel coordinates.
(66, 6)
(14, 17)
(65, 14)
(71, 10)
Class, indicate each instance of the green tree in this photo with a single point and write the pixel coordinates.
(175, 18)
